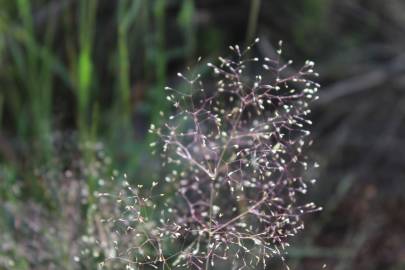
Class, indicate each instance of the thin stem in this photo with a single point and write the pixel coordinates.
(212, 190)
(210, 224)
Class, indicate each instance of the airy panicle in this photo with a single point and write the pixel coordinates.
(234, 152)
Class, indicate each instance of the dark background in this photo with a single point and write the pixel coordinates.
(80, 82)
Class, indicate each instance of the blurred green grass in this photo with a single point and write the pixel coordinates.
(53, 51)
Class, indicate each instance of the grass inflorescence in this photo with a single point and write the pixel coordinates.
(235, 156)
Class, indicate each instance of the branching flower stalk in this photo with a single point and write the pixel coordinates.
(235, 150)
